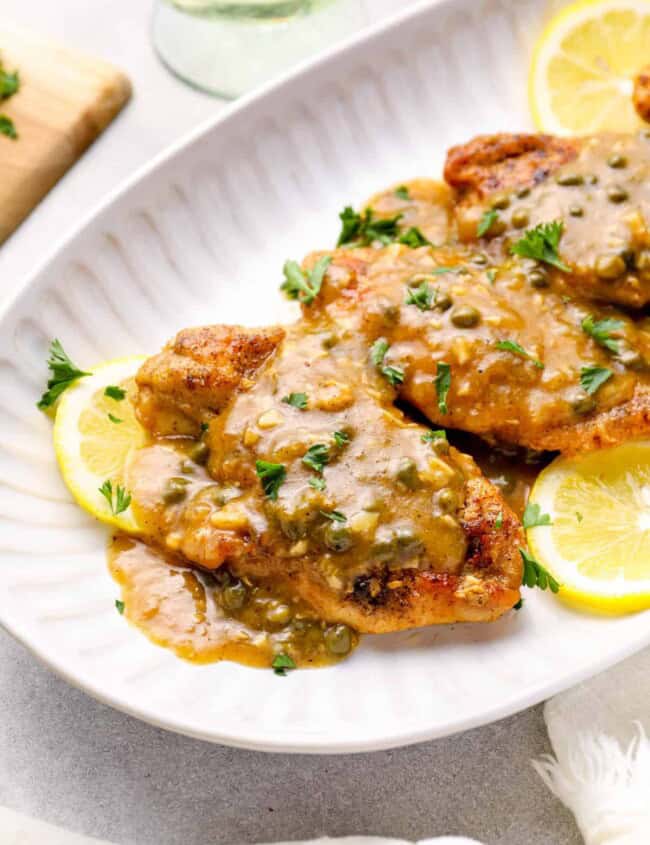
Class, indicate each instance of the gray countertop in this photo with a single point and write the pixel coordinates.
(73, 762)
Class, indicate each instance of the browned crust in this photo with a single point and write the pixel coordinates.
(641, 94)
(197, 373)
(491, 163)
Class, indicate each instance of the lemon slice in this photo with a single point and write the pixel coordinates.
(598, 543)
(94, 437)
(584, 64)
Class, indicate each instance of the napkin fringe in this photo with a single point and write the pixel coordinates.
(605, 785)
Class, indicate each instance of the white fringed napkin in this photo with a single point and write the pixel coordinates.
(601, 768)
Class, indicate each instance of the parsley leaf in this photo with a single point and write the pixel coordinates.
(298, 400)
(341, 438)
(302, 286)
(492, 275)
(517, 349)
(119, 606)
(438, 271)
(423, 296)
(533, 516)
(402, 193)
(591, 378)
(364, 229)
(9, 83)
(498, 522)
(541, 243)
(64, 373)
(430, 436)
(114, 392)
(535, 575)
(317, 483)
(442, 382)
(485, 223)
(414, 238)
(118, 499)
(281, 663)
(601, 331)
(335, 516)
(272, 477)
(316, 457)
(380, 347)
(114, 419)
(7, 127)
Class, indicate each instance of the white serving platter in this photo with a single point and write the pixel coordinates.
(200, 236)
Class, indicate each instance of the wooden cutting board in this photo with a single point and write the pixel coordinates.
(66, 100)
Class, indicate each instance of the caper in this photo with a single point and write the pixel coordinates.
(497, 227)
(175, 490)
(617, 161)
(576, 210)
(569, 179)
(520, 218)
(338, 640)
(465, 317)
(408, 543)
(500, 201)
(582, 403)
(609, 267)
(292, 528)
(337, 537)
(199, 453)
(591, 179)
(479, 259)
(522, 193)
(615, 193)
(442, 301)
(234, 596)
(447, 500)
(407, 473)
(538, 278)
(440, 446)
(278, 614)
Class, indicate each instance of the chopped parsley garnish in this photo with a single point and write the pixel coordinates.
(119, 606)
(272, 477)
(64, 373)
(423, 296)
(9, 83)
(439, 271)
(298, 400)
(602, 330)
(341, 438)
(592, 378)
(430, 436)
(316, 457)
(114, 419)
(498, 522)
(517, 349)
(578, 516)
(485, 223)
(395, 375)
(317, 483)
(335, 516)
(533, 516)
(118, 499)
(7, 127)
(541, 244)
(281, 664)
(535, 575)
(115, 392)
(402, 193)
(492, 275)
(302, 286)
(442, 382)
(364, 229)
(414, 238)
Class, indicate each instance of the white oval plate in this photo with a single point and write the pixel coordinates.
(200, 236)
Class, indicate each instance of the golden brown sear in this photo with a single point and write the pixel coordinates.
(598, 187)
(524, 363)
(316, 481)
